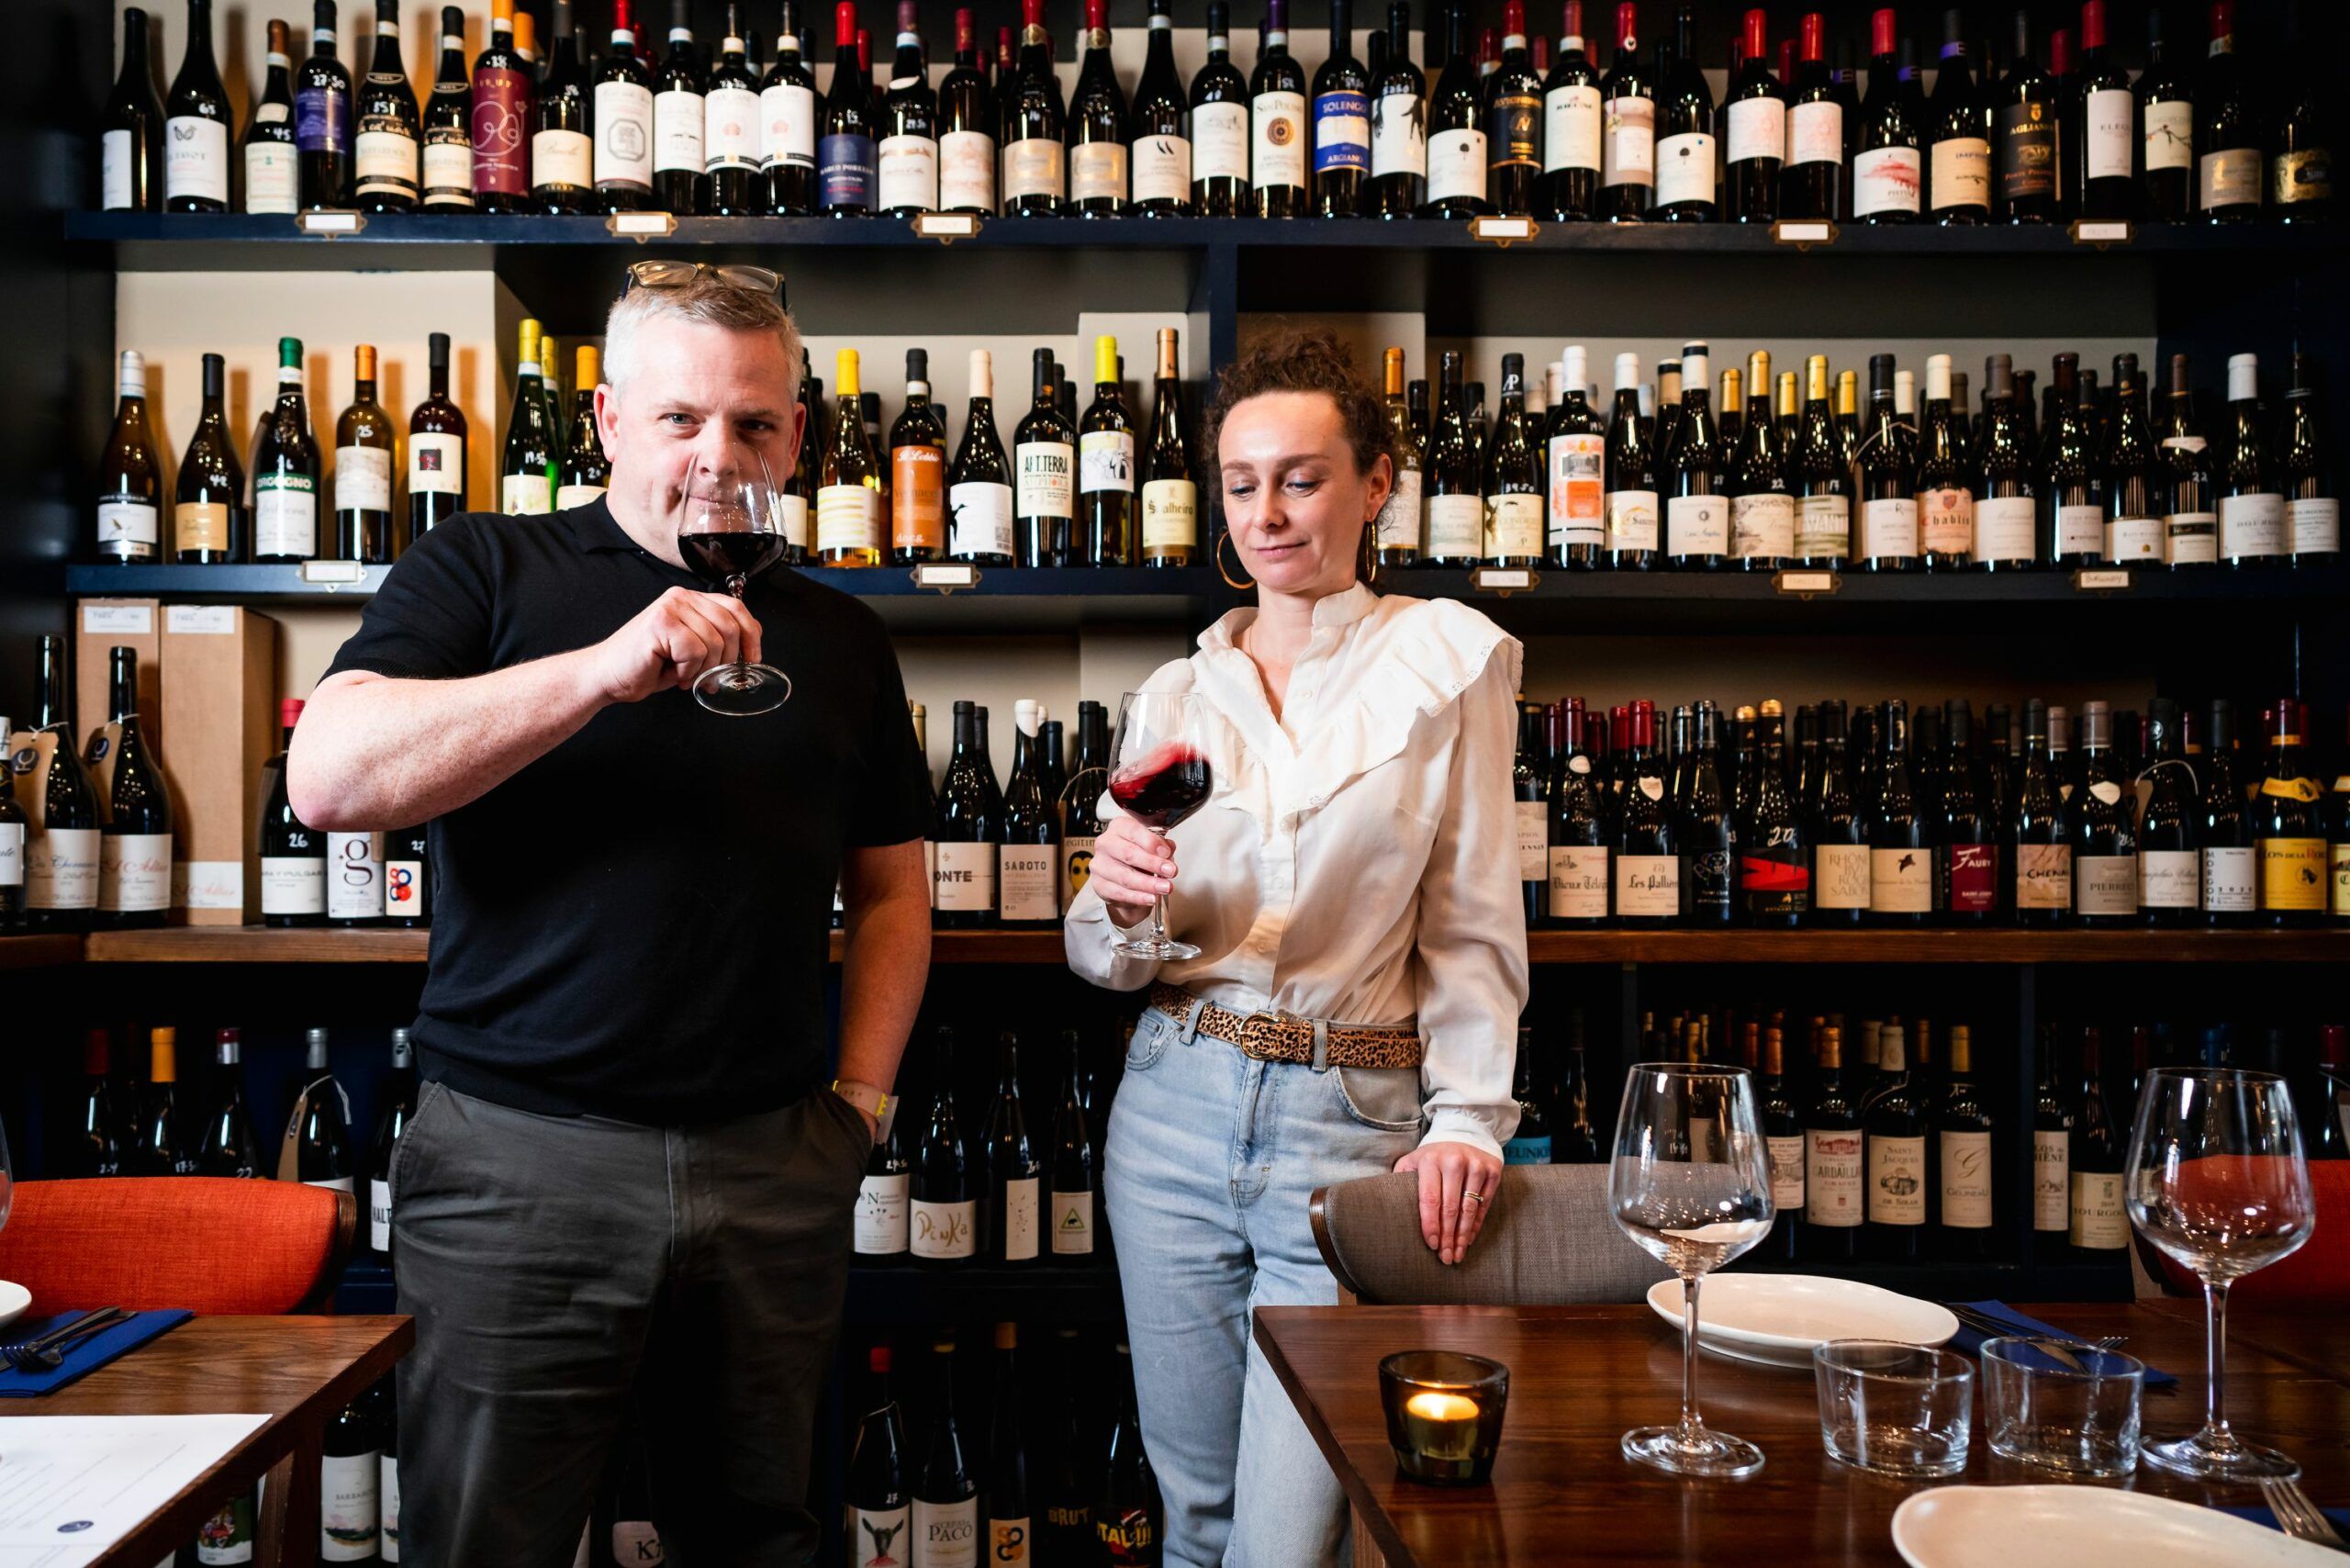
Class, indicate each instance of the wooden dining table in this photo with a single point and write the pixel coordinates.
(295, 1371)
(1579, 1376)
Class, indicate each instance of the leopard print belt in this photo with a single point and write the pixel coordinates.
(1277, 1036)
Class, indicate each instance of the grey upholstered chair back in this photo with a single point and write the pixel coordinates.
(1548, 1240)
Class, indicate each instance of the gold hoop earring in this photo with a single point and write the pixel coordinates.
(1368, 569)
(1217, 552)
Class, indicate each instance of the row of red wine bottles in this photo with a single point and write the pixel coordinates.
(1514, 127)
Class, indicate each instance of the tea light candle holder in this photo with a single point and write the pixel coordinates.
(1444, 1415)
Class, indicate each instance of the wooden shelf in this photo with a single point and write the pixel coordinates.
(256, 945)
(38, 952)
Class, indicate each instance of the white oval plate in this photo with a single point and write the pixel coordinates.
(2065, 1527)
(1776, 1319)
(14, 1300)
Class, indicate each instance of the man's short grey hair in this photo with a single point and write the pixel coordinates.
(707, 300)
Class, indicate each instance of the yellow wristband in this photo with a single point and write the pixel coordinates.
(864, 1096)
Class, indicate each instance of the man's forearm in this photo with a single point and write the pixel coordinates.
(884, 964)
(372, 752)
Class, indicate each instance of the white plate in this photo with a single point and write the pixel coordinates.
(1776, 1319)
(14, 1299)
(2065, 1526)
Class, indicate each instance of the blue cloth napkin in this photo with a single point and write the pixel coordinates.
(2338, 1517)
(84, 1356)
(1970, 1342)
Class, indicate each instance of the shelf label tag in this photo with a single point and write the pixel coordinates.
(947, 227)
(200, 619)
(946, 577)
(1501, 230)
(334, 574)
(330, 224)
(1502, 579)
(1806, 584)
(2103, 231)
(118, 620)
(2102, 581)
(1803, 232)
(641, 226)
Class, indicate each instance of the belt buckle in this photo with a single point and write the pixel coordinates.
(1259, 1034)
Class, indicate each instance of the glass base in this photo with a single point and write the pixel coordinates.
(2230, 1459)
(743, 691)
(1153, 947)
(1702, 1452)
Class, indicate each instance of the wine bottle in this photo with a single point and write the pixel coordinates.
(2301, 155)
(1341, 123)
(396, 1096)
(292, 856)
(1530, 1143)
(1647, 849)
(229, 1147)
(531, 444)
(968, 830)
(102, 1135)
(1691, 475)
(130, 485)
(354, 878)
(1784, 1142)
(562, 163)
(1775, 848)
(1811, 180)
(1531, 786)
(363, 470)
(1028, 875)
(1760, 481)
(1685, 190)
(2169, 826)
(498, 114)
(1835, 1172)
(2230, 868)
(271, 163)
(1824, 507)
(195, 125)
(62, 853)
(787, 123)
(1567, 189)
(2099, 134)
(1754, 116)
(1631, 478)
(1888, 183)
(1901, 872)
(2097, 1226)
(1897, 1125)
(848, 495)
(2007, 487)
(1013, 1175)
(946, 1495)
(322, 1125)
(13, 828)
(1010, 1533)
(1277, 151)
(1456, 134)
(2288, 826)
(680, 120)
(943, 1189)
(1127, 1520)
(1958, 190)
(388, 150)
(1512, 99)
(1946, 515)
(1628, 142)
(135, 847)
(2228, 158)
(1455, 488)
(878, 1507)
(1888, 540)
(978, 488)
(881, 1218)
(1709, 834)
(1073, 1204)
(966, 125)
(908, 151)
(1575, 445)
(130, 145)
(1035, 177)
(1106, 474)
(1964, 827)
(1579, 834)
(1097, 124)
(623, 140)
(2312, 511)
(917, 471)
(160, 1149)
(2164, 108)
(1399, 137)
(1080, 798)
(1045, 454)
(436, 450)
(1513, 525)
(322, 117)
(2025, 109)
(2073, 530)
(1170, 497)
(2191, 519)
(447, 132)
(351, 1477)
(2097, 822)
(1220, 107)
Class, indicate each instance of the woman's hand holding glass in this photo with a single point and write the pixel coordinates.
(1133, 868)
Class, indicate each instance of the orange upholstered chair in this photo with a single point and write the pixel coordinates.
(206, 1243)
(2317, 1274)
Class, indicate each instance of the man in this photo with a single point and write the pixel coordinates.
(626, 1168)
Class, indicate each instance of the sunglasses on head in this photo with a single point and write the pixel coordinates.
(678, 275)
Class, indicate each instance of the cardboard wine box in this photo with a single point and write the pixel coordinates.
(100, 626)
(219, 721)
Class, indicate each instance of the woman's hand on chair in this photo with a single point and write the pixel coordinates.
(1133, 867)
(1450, 1219)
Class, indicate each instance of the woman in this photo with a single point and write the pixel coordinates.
(1355, 865)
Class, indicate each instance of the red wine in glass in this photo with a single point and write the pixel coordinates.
(730, 535)
(717, 557)
(1159, 776)
(1165, 787)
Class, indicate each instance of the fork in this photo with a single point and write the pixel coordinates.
(2300, 1518)
(50, 1355)
(2054, 1347)
(19, 1352)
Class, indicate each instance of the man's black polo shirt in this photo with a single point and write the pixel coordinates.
(634, 925)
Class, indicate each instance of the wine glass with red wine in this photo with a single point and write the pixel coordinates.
(734, 530)
(1159, 775)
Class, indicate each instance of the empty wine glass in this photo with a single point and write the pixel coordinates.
(1691, 1182)
(2216, 1179)
(1158, 775)
(734, 530)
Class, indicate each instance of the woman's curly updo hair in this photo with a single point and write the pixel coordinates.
(1293, 361)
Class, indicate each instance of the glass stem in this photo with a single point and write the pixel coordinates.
(1158, 904)
(735, 583)
(1691, 1423)
(2215, 1360)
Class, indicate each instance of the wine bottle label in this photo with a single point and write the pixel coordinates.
(1946, 520)
(1457, 166)
(1161, 168)
(2097, 1219)
(1885, 179)
(2231, 880)
(497, 116)
(1628, 142)
(2110, 115)
(436, 464)
(917, 497)
(2043, 876)
(1008, 1543)
(2026, 134)
(293, 884)
(560, 158)
(1513, 130)
(1966, 1180)
(1709, 879)
(363, 478)
(1455, 527)
(1170, 515)
(114, 160)
(947, 1535)
(1341, 132)
(196, 157)
(964, 877)
(1076, 868)
(2228, 178)
(1890, 528)
(323, 119)
(349, 1505)
(1962, 173)
(1072, 1223)
(2251, 526)
(2080, 530)
(1278, 143)
(129, 526)
(2313, 525)
(978, 519)
(227, 1538)
(1787, 1157)
(1763, 525)
(527, 495)
(2106, 884)
(1019, 1219)
(135, 872)
(1526, 1151)
(1648, 884)
(271, 178)
(1834, 1177)
(877, 1537)
(1533, 840)
(1824, 526)
(1106, 461)
(286, 515)
(1399, 142)
(1697, 525)
(1758, 129)
(1398, 522)
(1097, 171)
(1570, 128)
(2306, 176)
(1815, 132)
(788, 127)
(848, 516)
(1578, 500)
(379, 1214)
(966, 171)
(943, 1230)
(1897, 1179)
(2192, 538)
(1220, 142)
(2134, 541)
(1028, 877)
(1631, 520)
(847, 175)
(1772, 876)
(448, 168)
(2169, 134)
(679, 130)
(790, 512)
(624, 135)
(1578, 882)
(12, 855)
(2051, 1183)
(403, 889)
(909, 174)
(2338, 863)
(1901, 882)
(1973, 870)
(354, 876)
(387, 160)
(1685, 168)
(62, 868)
(2293, 874)
(388, 1487)
(1047, 475)
(879, 1220)
(1514, 527)
(2169, 879)
(1840, 876)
